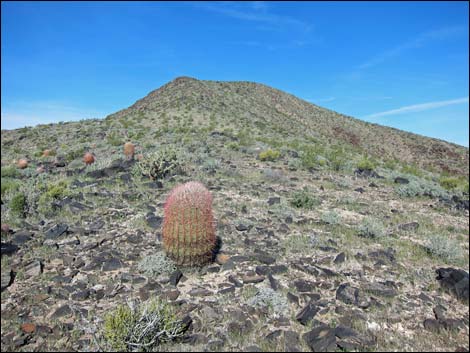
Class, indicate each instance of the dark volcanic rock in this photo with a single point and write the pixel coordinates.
(22, 237)
(400, 180)
(56, 231)
(154, 222)
(351, 295)
(456, 281)
(274, 200)
(340, 258)
(303, 286)
(175, 277)
(412, 226)
(307, 313)
(7, 277)
(8, 248)
(321, 339)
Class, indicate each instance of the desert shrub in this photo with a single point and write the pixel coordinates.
(113, 139)
(365, 164)
(141, 327)
(304, 199)
(210, 165)
(444, 248)
(9, 185)
(300, 243)
(331, 217)
(233, 145)
(421, 187)
(10, 172)
(160, 164)
(53, 192)
(371, 228)
(74, 154)
(266, 297)
(449, 183)
(155, 265)
(18, 204)
(269, 155)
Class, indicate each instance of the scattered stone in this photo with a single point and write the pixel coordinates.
(303, 286)
(7, 277)
(351, 295)
(411, 226)
(321, 339)
(56, 231)
(400, 180)
(112, 264)
(307, 313)
(273, 282)
(276, 269)
(456, 281)
(175, 277)
(199, 292)
(61, 311)
(235, 281)
(265, 259)
(252, 278)
(154, 222)
(8, 248)
(360, 190)
(274, 200)
(292, 298)
(22, 237)
(386, 289)
(33, 269)
(340, 258)
(242, 227)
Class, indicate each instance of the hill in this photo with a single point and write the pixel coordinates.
(333, 233)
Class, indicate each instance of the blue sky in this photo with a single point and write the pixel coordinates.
(400, 64)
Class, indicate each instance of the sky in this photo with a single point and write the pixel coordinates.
(399, 64)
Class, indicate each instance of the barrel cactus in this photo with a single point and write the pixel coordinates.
(188, 225)
(129, 150)
(88, 158)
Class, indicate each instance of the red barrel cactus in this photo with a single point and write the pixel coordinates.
(188, 225)
(22, 163)
(129, 150)
(88, 158)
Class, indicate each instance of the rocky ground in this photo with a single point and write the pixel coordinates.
(321, 286)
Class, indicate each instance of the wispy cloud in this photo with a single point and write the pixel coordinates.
(320, 100)
(255, 11)
(418, 107)
(416, 42)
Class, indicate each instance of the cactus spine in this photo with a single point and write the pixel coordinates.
(188, 225)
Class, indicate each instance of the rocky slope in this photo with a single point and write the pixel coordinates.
(319, 249)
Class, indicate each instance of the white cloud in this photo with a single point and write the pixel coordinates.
(418, 107)
(419, 41)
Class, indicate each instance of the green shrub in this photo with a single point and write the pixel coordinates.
(233, 146)
(114, 140)
(303, 199)
(331, 217)
(421, 187)
(10, 172)
(141, 327)
(74, 154)
(449, 183)
(8, 185)
(267, 298)
(53, 192)
(18, 204)
(371, 228)
(365, 164)
(269, 155)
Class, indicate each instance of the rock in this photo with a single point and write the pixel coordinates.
(112, 264)
(455, 281)
(33, 269)
(351, 295)
(252, 278)
(61, 311)
(81, 295)
(265, 270)
(291, 341)
(360, 190)
(154, 222)
(367, 173)
(199, 292)
(273, 282)
(242, 227)
(381, 289)
(340, 258)
(235, 281)
(387, 256)
(22, 237)
(7, 277)
(303, 286)
(400, 180)
(292, 298)
(274, 200)
(274, 335)
(96, 226)
(175, 277)
(56, 231)
(265, 259)
(321, 339)
(439, 311)
(307, 313)
(411, 226)
(432, 325)
(8, 248)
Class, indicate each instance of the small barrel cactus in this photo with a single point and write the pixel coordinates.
(129, 150)
(46, 153)
(22, 163)
(88, 158)
(188, 226)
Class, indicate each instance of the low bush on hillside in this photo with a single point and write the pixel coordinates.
(304, 199)
(269, 155)
(371, 228)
